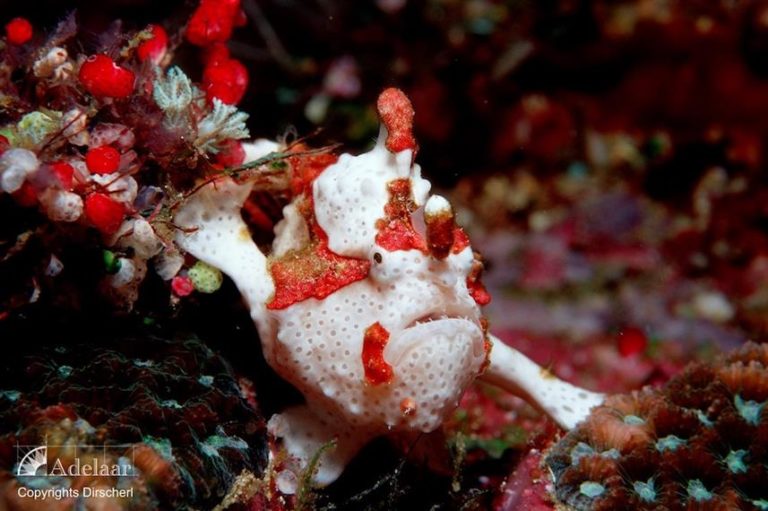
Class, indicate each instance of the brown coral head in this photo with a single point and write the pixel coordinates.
(701, 442)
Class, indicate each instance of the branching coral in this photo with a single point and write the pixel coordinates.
(698, 443)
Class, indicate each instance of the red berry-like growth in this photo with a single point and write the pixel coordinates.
(215, 54)
(153, 49)
(64, 173)
(26, 195)
(18, 31)
(231, 154)
(102, 160)
(212, 21)
(104, 79)
(182, 285)
(4, 144)
(104, 213)
(631, 341)
(226, 80)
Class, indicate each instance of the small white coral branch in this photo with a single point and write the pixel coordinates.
(566, 404)
(174, 93)
(224, 122)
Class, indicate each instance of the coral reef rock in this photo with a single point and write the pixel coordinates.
(171, 414)
(700, 442)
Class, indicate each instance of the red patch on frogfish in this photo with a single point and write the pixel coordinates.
(475, 287)
(396, 114)
(440, 230)
(396, 231)
(460, 240)
(306, 167)
(314, 271)
(377, 370)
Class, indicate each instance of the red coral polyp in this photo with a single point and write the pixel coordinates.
(103, 78)
(154, 48)
(213, 21)
(377, 370)
(225, 80)
(102, 160)
(64, 173)
(104, 213)
(18, 31)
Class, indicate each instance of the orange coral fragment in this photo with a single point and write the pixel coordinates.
(377, 370)
(396, 113)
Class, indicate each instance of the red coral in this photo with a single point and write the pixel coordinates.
(226, 80)
(104, 213)
(102, 160)
(154, 48)
(182, 285)
(104, 79)
(632, 341)
(18, 31)
(64, 173)
(213, 21)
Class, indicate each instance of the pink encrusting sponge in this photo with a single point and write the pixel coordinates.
(700, 442)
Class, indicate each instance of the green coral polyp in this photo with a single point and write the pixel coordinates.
(646, 491)
(35, 127)
(698, 492)
(633, 420)
(703, 418)
(205, 278)
(591, 489)
(583, 449)
(735, 461)
(749, 410)
(669, 443)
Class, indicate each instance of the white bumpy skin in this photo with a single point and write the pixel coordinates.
(436, 342)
